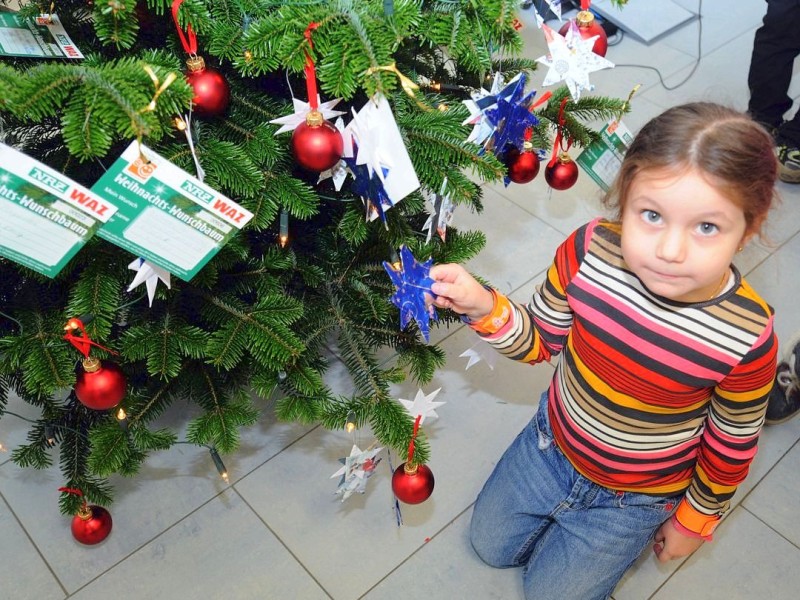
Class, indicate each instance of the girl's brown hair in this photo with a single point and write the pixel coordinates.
(734, 152)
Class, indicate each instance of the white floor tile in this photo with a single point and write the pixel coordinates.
(775, 499)
(23, 573)
(774, 442)
(447, 567)
(722, 21)
(220, 552)
(746, 560)
(713, 80)
(777, 281)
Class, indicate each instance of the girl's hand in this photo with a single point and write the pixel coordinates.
(458, 290)
(671, 543)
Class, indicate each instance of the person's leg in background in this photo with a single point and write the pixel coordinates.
(775, 48)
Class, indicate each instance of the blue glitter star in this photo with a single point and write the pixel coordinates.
(514, 88)
(412, 281)
(369, 186)
(511, 117)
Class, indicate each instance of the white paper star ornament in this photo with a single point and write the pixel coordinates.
(301, 110)
(149, 274)
(480, 352)
(358, 467)
(571, 60)
(422, 406)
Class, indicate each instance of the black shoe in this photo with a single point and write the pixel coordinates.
(784, 400)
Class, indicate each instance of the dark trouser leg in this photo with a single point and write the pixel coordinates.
(776, 45)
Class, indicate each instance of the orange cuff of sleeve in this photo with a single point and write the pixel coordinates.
(694, 521)
(495, 320)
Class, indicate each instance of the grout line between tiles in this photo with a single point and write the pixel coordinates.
(739, 505)
(183, 518)
(152, 539)
(770, 527)
(280, 539)
(407, 558)
(33, 543)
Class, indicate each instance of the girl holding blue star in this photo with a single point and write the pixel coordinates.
(667, 358)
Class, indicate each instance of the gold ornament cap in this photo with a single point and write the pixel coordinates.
(410, 468)
(314, 118)
(564, 158)
(85, 513)
(527, 146)
(195, 63)
(584, 18)
(91, 364)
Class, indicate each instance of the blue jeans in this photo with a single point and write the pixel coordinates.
(574, 539)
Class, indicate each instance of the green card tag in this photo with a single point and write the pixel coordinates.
(46, 217)
(165, 215)
(602, 159)
(42, 37)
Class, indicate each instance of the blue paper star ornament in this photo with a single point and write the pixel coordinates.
(412, 282)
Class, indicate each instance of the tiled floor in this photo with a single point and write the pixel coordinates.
(279, 532)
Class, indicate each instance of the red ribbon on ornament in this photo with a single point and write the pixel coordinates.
(82, 342)
(544, 98)
(528, 134)
(78, 493)
(585, 4)
(311, 73)
(557, 143)
(413, 437)
(189, 39)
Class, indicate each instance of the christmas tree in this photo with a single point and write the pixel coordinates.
(305, 276)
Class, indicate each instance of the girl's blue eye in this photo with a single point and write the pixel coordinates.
(651, 216)
(707, 228)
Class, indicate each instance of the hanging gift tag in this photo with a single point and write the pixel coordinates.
(381, 148)
(43, 37)
(47, 217)
(165, 215)
(602, 159)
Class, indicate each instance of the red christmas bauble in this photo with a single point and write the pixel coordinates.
(522, 166)
(412, 484)
(589, 27)
(211, 90)
(563, 174)
(91, 525)
(100, 384)
(316, 144)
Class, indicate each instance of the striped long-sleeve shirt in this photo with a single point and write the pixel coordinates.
(649, 395)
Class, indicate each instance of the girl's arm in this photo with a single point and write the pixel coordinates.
(730, 437)
(531, 333)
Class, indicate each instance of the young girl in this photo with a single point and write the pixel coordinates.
(667, 360)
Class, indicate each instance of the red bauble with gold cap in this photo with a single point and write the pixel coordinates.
(211, 90)
(563, 173)
(412, 484)
(316, 144)
(589, 27)
(522, 166)
(100, 384)
(91, 525)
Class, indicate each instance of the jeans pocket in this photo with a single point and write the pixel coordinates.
(664, 505)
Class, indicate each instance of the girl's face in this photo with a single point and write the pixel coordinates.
(679, 234)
